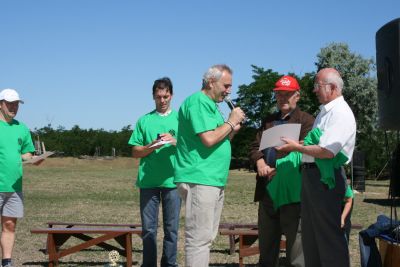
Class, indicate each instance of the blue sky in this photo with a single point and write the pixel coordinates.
(92, 63)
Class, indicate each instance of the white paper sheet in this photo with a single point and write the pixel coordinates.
(272, 136)
(160, 143)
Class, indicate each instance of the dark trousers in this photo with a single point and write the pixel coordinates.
(271, 225)
(324, 243)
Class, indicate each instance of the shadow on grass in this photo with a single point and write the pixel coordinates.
(44, 251)
(230, 264)
(74, 263)
(80, 263)
(222, 251)
(383, 202)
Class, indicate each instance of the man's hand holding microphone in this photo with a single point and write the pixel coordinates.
(236, 117)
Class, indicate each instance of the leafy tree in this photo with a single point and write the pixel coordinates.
(308, 101)
(241, 142)
(256, 99)
(121, 141)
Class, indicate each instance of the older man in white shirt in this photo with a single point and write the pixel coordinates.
(323, 241)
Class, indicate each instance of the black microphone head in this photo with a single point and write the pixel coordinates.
(228, 101)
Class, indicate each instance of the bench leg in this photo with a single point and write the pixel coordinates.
(51, 249)
(246, 248)
(241, 245)
(128, 249)
(231, 244)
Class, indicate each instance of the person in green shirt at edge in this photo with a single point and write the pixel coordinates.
(15, 146)
(203, 159)
(154, 142)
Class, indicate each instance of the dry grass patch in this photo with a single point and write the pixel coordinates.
(102, 191)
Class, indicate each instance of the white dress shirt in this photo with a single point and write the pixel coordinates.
(338, 126)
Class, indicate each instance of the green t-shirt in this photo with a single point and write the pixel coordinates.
(196, 163)
(15, 140)
(157, 168)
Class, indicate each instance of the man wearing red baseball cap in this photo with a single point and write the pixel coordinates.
(273, 222)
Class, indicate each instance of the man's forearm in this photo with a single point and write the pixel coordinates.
(211, 138)
(315, 151)
(141, 151)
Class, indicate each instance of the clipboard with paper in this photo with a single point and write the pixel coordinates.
(272, 136)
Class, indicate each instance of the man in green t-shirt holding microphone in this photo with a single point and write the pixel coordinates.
(202, 161)
(153, 141)
(15, 146)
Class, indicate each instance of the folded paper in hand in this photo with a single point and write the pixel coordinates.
(160, 143)
(38, 158)
(272, 136)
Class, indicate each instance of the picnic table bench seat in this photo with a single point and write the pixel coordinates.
(57, 236)
(246, 235)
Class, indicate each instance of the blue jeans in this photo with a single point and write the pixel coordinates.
(150, 199)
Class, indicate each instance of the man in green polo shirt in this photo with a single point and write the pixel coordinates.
(202, 161)
(153, 141)
(15, 146)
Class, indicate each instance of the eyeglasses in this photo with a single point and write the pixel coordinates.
(318, 85)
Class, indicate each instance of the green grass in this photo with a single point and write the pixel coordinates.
(102, 191)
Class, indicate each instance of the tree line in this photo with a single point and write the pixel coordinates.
(77, 142)
(257, 100)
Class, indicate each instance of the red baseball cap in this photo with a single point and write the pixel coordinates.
(287, 83)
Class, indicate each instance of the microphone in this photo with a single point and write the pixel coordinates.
(230, 104)
(228, 101)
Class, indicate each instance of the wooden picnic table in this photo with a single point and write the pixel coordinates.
(57, 236)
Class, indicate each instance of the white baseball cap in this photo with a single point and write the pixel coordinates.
(10, 95)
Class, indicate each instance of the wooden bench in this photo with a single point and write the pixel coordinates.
(57, 236)
(85, 237)
(232, 238)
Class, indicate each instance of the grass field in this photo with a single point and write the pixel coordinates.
(102, 191)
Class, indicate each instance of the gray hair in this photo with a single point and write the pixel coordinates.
(214, 73)
(334, 77)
